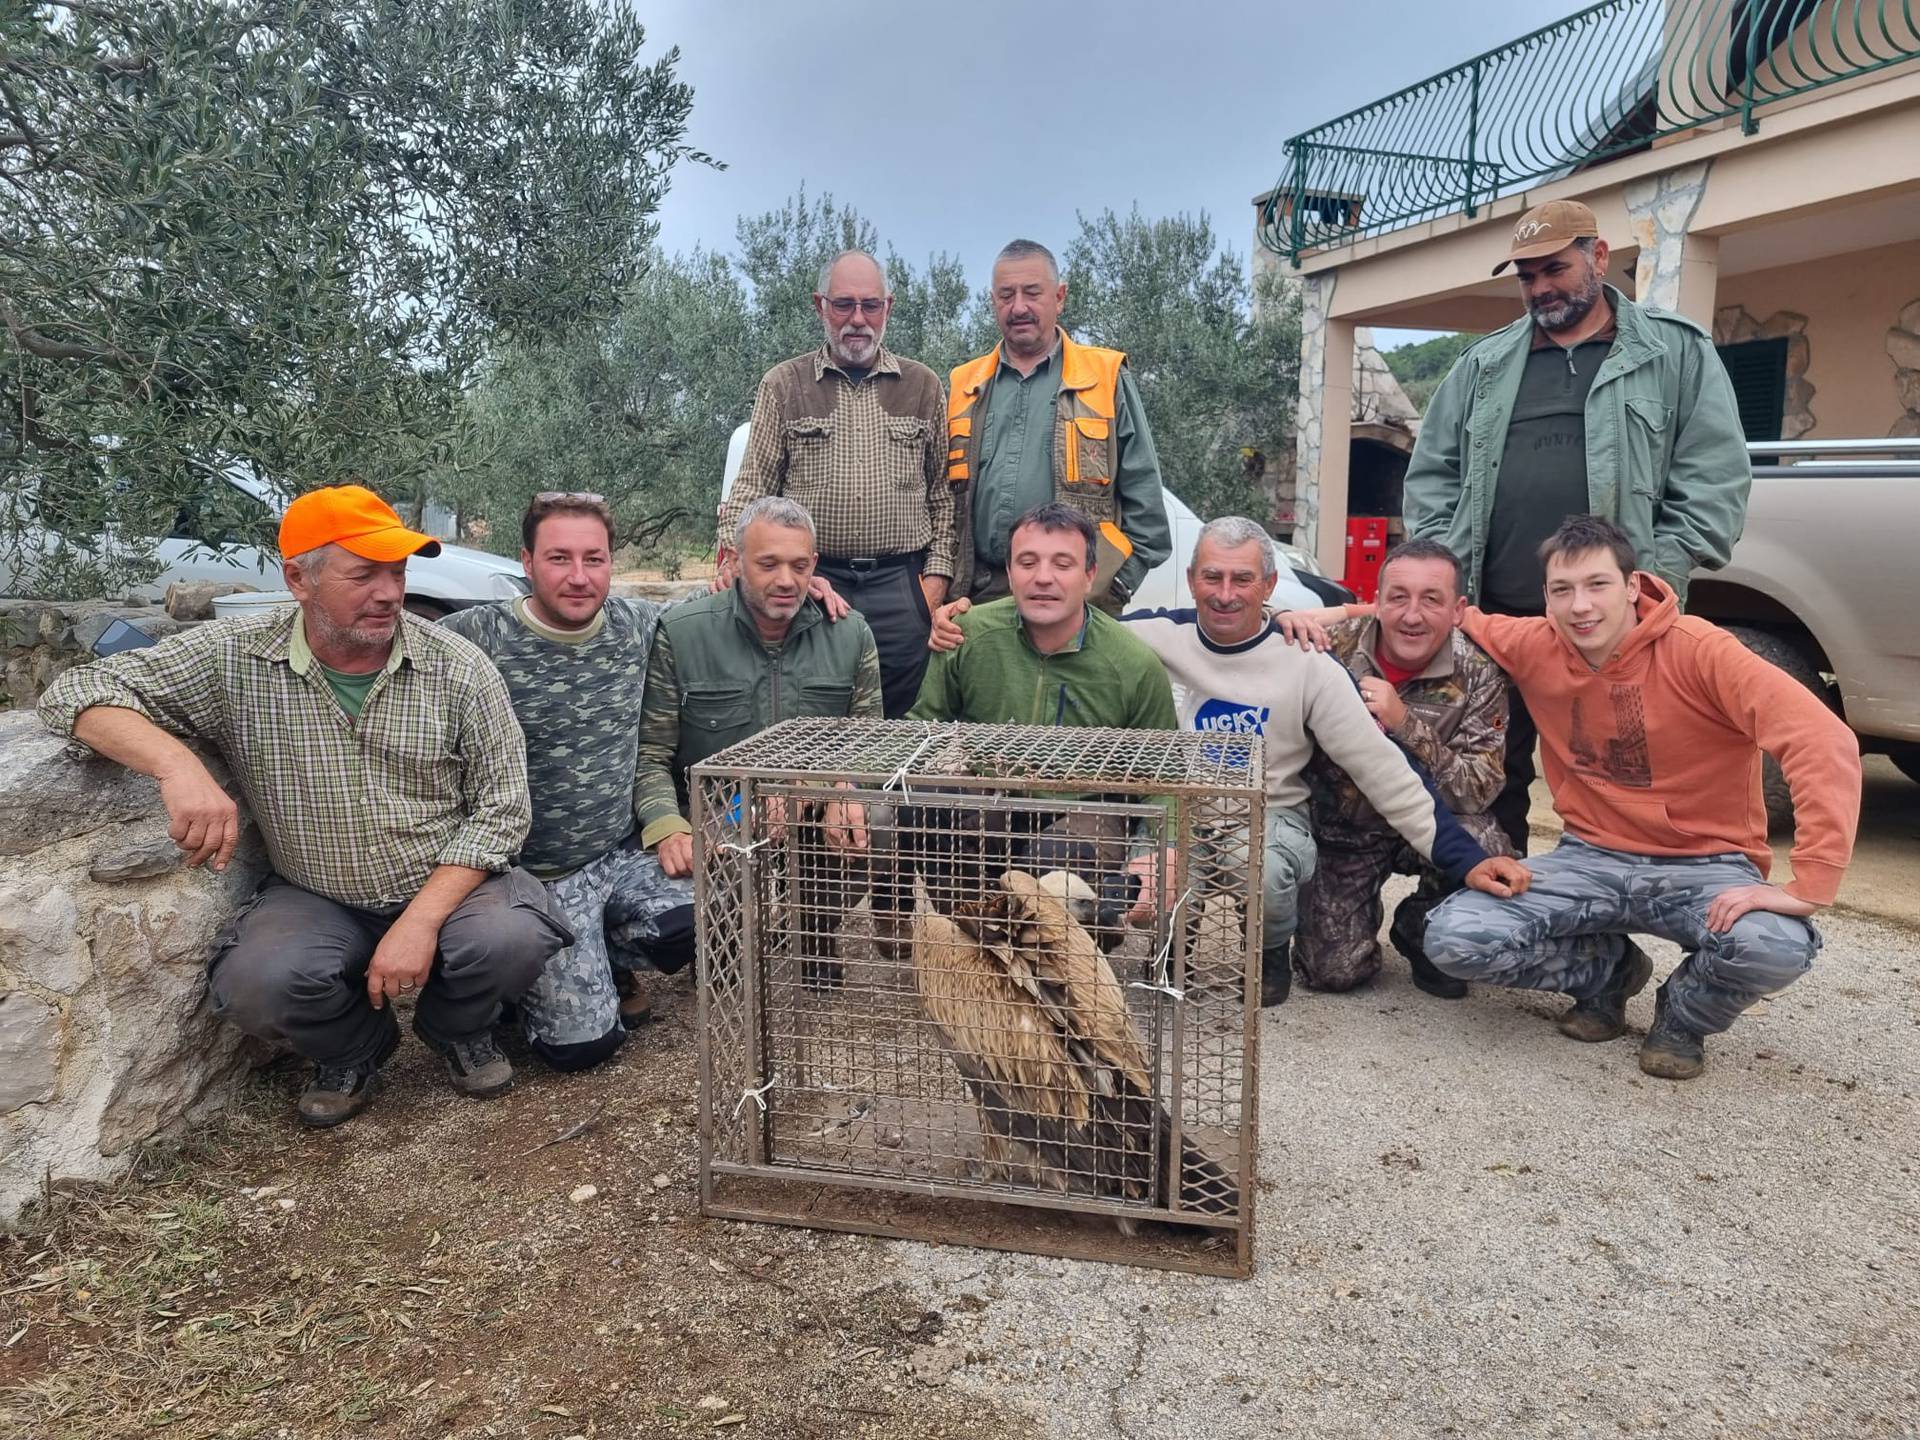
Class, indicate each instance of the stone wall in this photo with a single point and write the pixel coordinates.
(105, 1036)
(1903, 348)
(40, 638)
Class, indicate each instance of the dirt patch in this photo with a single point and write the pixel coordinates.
(438, 1268)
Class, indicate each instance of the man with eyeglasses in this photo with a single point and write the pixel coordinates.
(851, 431)
(1041, 419)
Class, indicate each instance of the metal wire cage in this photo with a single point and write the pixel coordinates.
(924, 1012)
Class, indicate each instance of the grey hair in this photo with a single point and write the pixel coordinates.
(1585, 243)
(826, 271)
(1028, 250)
(775, 510)
(311, 562)
(1230, 532)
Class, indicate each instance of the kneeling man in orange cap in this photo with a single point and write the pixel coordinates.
(381, 759)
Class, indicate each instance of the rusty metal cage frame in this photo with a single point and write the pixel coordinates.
(754, 1163)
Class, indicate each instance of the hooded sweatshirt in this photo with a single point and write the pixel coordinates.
(1657, 752)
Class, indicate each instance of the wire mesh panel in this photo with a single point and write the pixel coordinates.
(986, 984)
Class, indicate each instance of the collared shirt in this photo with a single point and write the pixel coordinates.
(866, 457)
(432, 773)
(1016, 466)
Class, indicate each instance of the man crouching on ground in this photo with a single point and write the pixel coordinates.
(1653, 725)
(575, 660)
(380, 757)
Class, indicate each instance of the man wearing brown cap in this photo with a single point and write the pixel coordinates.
(1590, 403)
(380, 758)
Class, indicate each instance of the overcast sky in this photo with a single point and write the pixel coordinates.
(958, 127)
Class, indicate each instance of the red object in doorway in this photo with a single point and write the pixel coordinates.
(1366, 550)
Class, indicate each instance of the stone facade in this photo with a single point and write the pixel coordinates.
(1661, 207)
(1316, 301)
(1732, 325)
(104, 936)
(40, 638)
(1903, 348)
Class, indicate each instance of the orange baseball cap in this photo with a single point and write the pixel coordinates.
(355, 519)
(1548, 228)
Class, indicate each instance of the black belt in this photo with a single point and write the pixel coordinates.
(874, 564)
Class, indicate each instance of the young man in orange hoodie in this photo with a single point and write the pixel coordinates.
(1653, 724)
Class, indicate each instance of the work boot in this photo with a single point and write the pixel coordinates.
(1604, 1016)
(1426, 975)
(1671, 1051)
(337, 1093)
(474, 1063)
(636, 1006)
(1276, 975)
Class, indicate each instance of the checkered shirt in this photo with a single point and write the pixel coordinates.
(433, 773)
(872, 474)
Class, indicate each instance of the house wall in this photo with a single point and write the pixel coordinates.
(1850, 302)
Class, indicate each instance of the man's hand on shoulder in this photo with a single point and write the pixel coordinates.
(828, 598)
(1500, 875)
(1729, 905)
(722, 571)
(205, 821)
(947, 634)
(675, 853)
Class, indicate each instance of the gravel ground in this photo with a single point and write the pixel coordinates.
(1470, 1225)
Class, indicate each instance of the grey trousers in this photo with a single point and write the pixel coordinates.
(1288, 865)
(1570, 928)
(291, 967)
(624, 911)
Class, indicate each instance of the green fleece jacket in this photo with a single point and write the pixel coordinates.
(1105, 678)
(1666, 457)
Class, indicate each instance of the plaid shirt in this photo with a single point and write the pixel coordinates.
(868, 460)
(433, 773)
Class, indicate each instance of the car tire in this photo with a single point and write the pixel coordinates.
(1906, 759)
(428, 609)
(1785, 654)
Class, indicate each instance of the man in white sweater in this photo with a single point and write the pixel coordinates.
(1235, 671)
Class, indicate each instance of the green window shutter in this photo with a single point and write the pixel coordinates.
(1758, 370)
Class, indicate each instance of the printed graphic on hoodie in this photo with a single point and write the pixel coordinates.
(1622, 757)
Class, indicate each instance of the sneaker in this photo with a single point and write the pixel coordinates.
(337, 1093)
(474, 1064)
(1276, 975)
(1671, 1051)
(1426, 975)
(1604, 1016)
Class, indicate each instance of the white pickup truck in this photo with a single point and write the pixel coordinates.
(1825, 583)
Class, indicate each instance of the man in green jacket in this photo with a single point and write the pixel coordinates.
(728, 665)
(1587, 404)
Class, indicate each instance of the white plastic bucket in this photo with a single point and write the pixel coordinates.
(251, 602)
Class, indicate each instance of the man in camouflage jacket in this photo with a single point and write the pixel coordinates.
(1437, 694)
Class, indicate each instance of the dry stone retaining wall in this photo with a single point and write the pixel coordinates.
(104, 936)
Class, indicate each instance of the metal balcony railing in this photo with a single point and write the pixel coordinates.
(1603, 83)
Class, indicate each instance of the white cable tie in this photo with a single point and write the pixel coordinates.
(1159, 961)
(1172, 990)
(899, 776)
(737, 848)
(759, 1097)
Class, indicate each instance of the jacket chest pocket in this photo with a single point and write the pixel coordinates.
(905, 459)
(716, 712)
(1087, 440)
(1648, 441)
(809, 457)
(823, 697)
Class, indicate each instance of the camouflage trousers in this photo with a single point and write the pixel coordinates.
(1570, 929)
(626, 912)
(1338, 944)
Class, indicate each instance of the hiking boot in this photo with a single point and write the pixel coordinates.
(1671, 1051)
(1426, 975)
(636, 1006)
(1276, 975)
(1604, 1016)
(337, 1093)
(474, 1064)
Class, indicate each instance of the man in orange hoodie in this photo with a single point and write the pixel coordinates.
(1653, 724)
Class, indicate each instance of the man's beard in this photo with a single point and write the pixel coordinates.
(1563, 312)
(843, 354)
(346, 637)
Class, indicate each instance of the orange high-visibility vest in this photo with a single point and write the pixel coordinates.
(1085, 433)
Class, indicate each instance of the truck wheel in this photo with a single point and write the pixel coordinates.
(1782, 652)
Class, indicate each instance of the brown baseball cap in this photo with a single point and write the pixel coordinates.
(1547, 228)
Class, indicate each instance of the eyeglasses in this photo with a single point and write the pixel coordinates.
(550, 497)
(843, 306)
